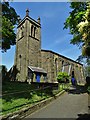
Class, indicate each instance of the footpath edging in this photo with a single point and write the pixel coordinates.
(18, 115)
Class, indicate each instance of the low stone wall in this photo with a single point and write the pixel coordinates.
(45, 84)
(30, 109)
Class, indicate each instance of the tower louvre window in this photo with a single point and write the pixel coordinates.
(21, 32)
(34, 31)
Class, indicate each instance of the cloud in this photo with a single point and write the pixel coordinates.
(62, 39)
(71, 51)
(59, 44)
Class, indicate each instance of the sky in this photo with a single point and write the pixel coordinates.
(53, 37)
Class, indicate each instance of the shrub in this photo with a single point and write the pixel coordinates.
(88, 89)
(4, 73)
(88, 80)
(63, 77)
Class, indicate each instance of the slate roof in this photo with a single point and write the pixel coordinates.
(61, 56)
(37, 69)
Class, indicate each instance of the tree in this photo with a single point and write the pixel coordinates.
(79, 24)
(9, 20)
(84, 29)
(4, 73)
(87, 68)
(63, 77)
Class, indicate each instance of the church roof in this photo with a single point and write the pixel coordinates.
(30, 19)
(61, 56)
(37, 69)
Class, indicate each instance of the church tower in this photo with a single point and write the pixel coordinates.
(28, 46)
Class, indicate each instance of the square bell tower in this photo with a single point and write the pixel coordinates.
(28, 46)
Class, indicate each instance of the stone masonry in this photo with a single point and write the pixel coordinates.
(29, 53)
(58, 63)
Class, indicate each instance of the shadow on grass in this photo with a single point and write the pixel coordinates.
(24, 96)
(78, 89)
(83, 116)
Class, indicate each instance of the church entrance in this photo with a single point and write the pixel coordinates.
(37, 77)
(36, 74)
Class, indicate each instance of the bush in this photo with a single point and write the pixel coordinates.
(4, 73)
(88, 89)
(88, 80)
(63, 77)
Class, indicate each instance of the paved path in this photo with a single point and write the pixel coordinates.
(69, 105)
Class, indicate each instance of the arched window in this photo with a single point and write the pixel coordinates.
(62, 62)
(56, 65)
(22, 33)
(20, 61)
(32, 30)
(73, 73)
(36, 33)
(62, 65)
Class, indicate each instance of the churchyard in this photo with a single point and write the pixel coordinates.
(17, 95)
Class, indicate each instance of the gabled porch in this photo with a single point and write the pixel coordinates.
(36, 74)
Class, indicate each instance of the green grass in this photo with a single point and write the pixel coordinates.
(64, 86)
(14, 102)
(61, 87)
(17, 103)
(9, 87)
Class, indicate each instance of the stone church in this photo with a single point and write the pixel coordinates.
(35, 64)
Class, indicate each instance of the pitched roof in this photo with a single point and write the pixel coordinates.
(30, 19)
(61, 56)
(37, 69)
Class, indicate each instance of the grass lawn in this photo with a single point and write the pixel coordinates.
(24, 95)
(9, 87)
(12, 103)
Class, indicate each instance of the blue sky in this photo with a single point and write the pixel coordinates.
(53, 16)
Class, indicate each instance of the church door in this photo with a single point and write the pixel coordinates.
(38, 77)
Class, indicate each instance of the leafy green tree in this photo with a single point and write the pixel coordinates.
(75, 17)
(4, 73)
(79, 24)
(84, 29)
(9, 20)
(12, 73)
(62, 77)
(87, 68)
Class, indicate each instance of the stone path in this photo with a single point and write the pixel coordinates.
(72, 104)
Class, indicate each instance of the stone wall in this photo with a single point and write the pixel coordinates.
(28, 47)
(21, 56)
(54, 63)
(46, 64)
(29, 53)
